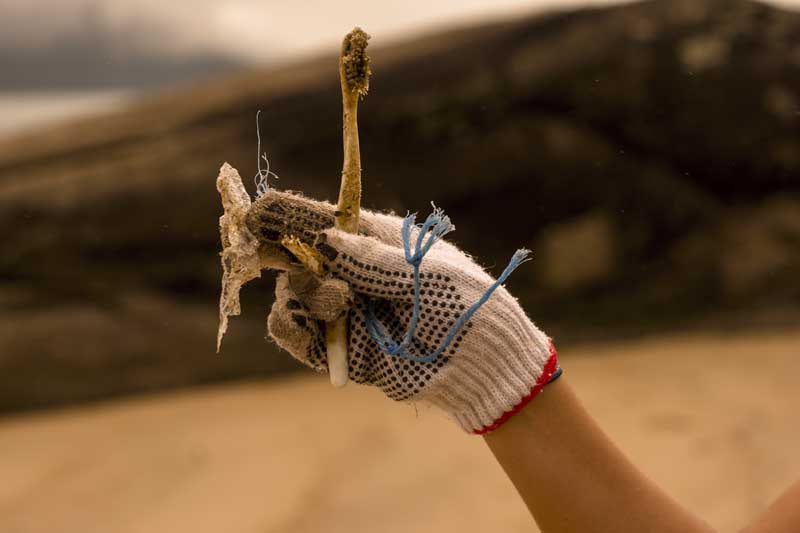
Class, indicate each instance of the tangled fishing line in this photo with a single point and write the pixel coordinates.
(262, 176)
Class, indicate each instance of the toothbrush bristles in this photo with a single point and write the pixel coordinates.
(356, 61)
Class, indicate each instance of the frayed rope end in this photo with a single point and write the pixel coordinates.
(523, 255)
(439, 225)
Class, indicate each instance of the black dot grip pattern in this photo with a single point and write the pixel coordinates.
(392, 292)
(493, 361)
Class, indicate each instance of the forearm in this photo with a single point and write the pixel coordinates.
(573, 478)
(782, 516)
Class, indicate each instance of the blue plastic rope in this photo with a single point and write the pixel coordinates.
(439, 225)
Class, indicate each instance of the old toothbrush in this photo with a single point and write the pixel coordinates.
(354, 74)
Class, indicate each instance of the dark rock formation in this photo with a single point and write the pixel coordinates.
(663, 136)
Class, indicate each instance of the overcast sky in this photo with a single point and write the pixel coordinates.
(254, 29)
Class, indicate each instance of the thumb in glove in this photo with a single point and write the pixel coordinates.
(303, 302)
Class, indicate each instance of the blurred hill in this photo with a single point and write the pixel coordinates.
(648, 154)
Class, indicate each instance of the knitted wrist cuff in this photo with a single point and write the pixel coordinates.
(550, 373)
(493, 401)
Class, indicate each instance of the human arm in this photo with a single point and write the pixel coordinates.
(497, 362)
(573, 478)
(783, 516)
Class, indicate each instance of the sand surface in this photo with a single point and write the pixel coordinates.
(712, 417)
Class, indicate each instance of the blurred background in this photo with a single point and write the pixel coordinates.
(647, 152)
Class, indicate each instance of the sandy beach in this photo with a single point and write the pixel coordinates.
(708, 416)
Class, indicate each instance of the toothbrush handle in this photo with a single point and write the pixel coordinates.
(336, 341)
(354, 75)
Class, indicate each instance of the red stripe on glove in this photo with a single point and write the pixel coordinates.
(549, 369)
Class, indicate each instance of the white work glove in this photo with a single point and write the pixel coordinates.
(473, 351)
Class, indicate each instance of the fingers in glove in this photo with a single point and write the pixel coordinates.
(324, 299)
(378, 270)
(290, 325)
(277, 214)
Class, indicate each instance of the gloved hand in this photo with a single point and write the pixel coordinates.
(463, 343)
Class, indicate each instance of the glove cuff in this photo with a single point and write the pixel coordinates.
(481, 405)
(551, 372)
